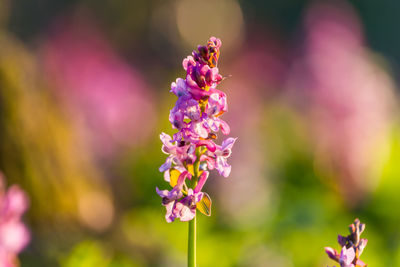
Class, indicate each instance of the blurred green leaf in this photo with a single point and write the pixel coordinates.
(86, 254)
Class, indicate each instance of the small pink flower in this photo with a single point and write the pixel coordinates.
(180, 154)
(180, 88)
(218, 159)
(170, 198)
(184, 209)
(216, 104)
(14, 236)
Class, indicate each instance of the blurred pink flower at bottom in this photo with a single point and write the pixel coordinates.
(14, 236)
(350, 98)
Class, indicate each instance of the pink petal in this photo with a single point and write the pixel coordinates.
(13, 236)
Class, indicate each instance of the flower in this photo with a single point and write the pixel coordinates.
(179, 154)
(218, 159)
(14, 236)
(208, 54)
(217, 104)
(184, 209)
(201, 76)
(196, 117)
(352, 247)
(346, 257)
(180, 88)
(169, 198)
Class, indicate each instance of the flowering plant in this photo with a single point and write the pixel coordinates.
(192, 150)
(352, 247)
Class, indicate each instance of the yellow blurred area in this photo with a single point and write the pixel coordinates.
(39, 147)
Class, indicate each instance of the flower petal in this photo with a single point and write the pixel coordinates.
(162, 193)
(228, 143)
(166, 140)
(208, 143)
(223, 167)
(347, 256)
(166, 165)
(202, 180)
(332, 253)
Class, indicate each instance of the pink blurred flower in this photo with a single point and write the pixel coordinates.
(350, 98)
(14, 236)
(106, 96)
(259, 74)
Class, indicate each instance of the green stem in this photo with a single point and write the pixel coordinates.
(192, 243)
(192, 223)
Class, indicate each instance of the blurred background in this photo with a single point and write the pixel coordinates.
(313, 98)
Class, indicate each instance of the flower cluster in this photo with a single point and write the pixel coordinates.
(192, 150)
(352, 247)
(14, 236)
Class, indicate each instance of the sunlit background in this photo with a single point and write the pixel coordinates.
(313, 98)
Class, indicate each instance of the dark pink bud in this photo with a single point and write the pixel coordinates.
(203, 51)
(342, 240)
(208, 143)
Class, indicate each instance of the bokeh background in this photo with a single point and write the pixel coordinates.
(313, 91)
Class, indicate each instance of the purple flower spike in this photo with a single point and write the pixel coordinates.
(192, 150)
